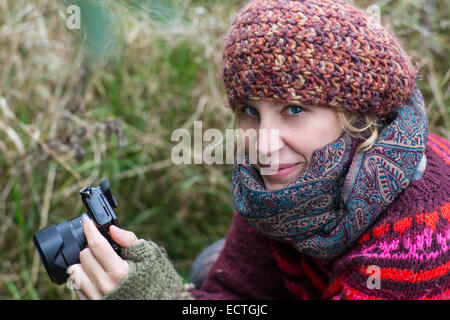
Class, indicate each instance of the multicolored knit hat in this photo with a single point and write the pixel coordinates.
(315, 52)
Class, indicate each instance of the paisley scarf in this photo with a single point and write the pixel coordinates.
(342, 192)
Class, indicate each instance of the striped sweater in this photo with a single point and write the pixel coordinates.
(404, 255)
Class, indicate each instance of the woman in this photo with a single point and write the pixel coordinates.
(359, 204)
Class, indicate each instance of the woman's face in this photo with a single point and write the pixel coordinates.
(302, 130)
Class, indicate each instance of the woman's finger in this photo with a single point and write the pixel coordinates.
(100, 247)
(96, 273)
(83, 283)
(122, 237)
(80, 295)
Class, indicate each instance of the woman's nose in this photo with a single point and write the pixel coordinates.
(269, 140)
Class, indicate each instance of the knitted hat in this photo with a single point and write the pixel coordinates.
(315, 52)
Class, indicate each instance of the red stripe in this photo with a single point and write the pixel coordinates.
(407, 275)
(443, 140)
(317, 282)
(335, 286)
(403, 225)
(439, 153)
(428, 219)
(286, 266)
(445, 211)
(440, 144)
(364, 238)
(381, 230)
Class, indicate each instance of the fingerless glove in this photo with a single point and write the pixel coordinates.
(151, 275)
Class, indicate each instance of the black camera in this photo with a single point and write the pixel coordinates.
(59, 246)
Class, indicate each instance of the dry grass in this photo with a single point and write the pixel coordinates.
(66, 122)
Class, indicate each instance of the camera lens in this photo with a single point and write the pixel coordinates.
(59, 247)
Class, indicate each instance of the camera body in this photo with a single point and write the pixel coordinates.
(59, 246)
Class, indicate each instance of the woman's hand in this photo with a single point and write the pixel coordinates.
(100, 269)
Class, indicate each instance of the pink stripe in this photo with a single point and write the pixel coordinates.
(444, 154)
(414, 245)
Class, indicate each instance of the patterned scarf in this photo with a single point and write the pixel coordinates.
(342, 191)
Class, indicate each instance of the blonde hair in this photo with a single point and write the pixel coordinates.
(360, 125)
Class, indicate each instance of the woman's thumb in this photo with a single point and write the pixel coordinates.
(122, 237)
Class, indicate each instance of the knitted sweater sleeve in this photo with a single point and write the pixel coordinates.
(245, 269)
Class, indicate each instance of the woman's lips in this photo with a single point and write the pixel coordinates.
(283, 170)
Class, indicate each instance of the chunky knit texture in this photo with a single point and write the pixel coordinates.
(315, 52)
(151, 275)
(409, 244)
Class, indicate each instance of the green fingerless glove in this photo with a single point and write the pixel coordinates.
(151, 275)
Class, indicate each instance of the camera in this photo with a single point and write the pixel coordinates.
(59, 246)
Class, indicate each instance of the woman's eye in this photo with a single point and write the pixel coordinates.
(293, 110)
(250, 111)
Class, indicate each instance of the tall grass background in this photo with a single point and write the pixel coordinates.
(77, 106)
